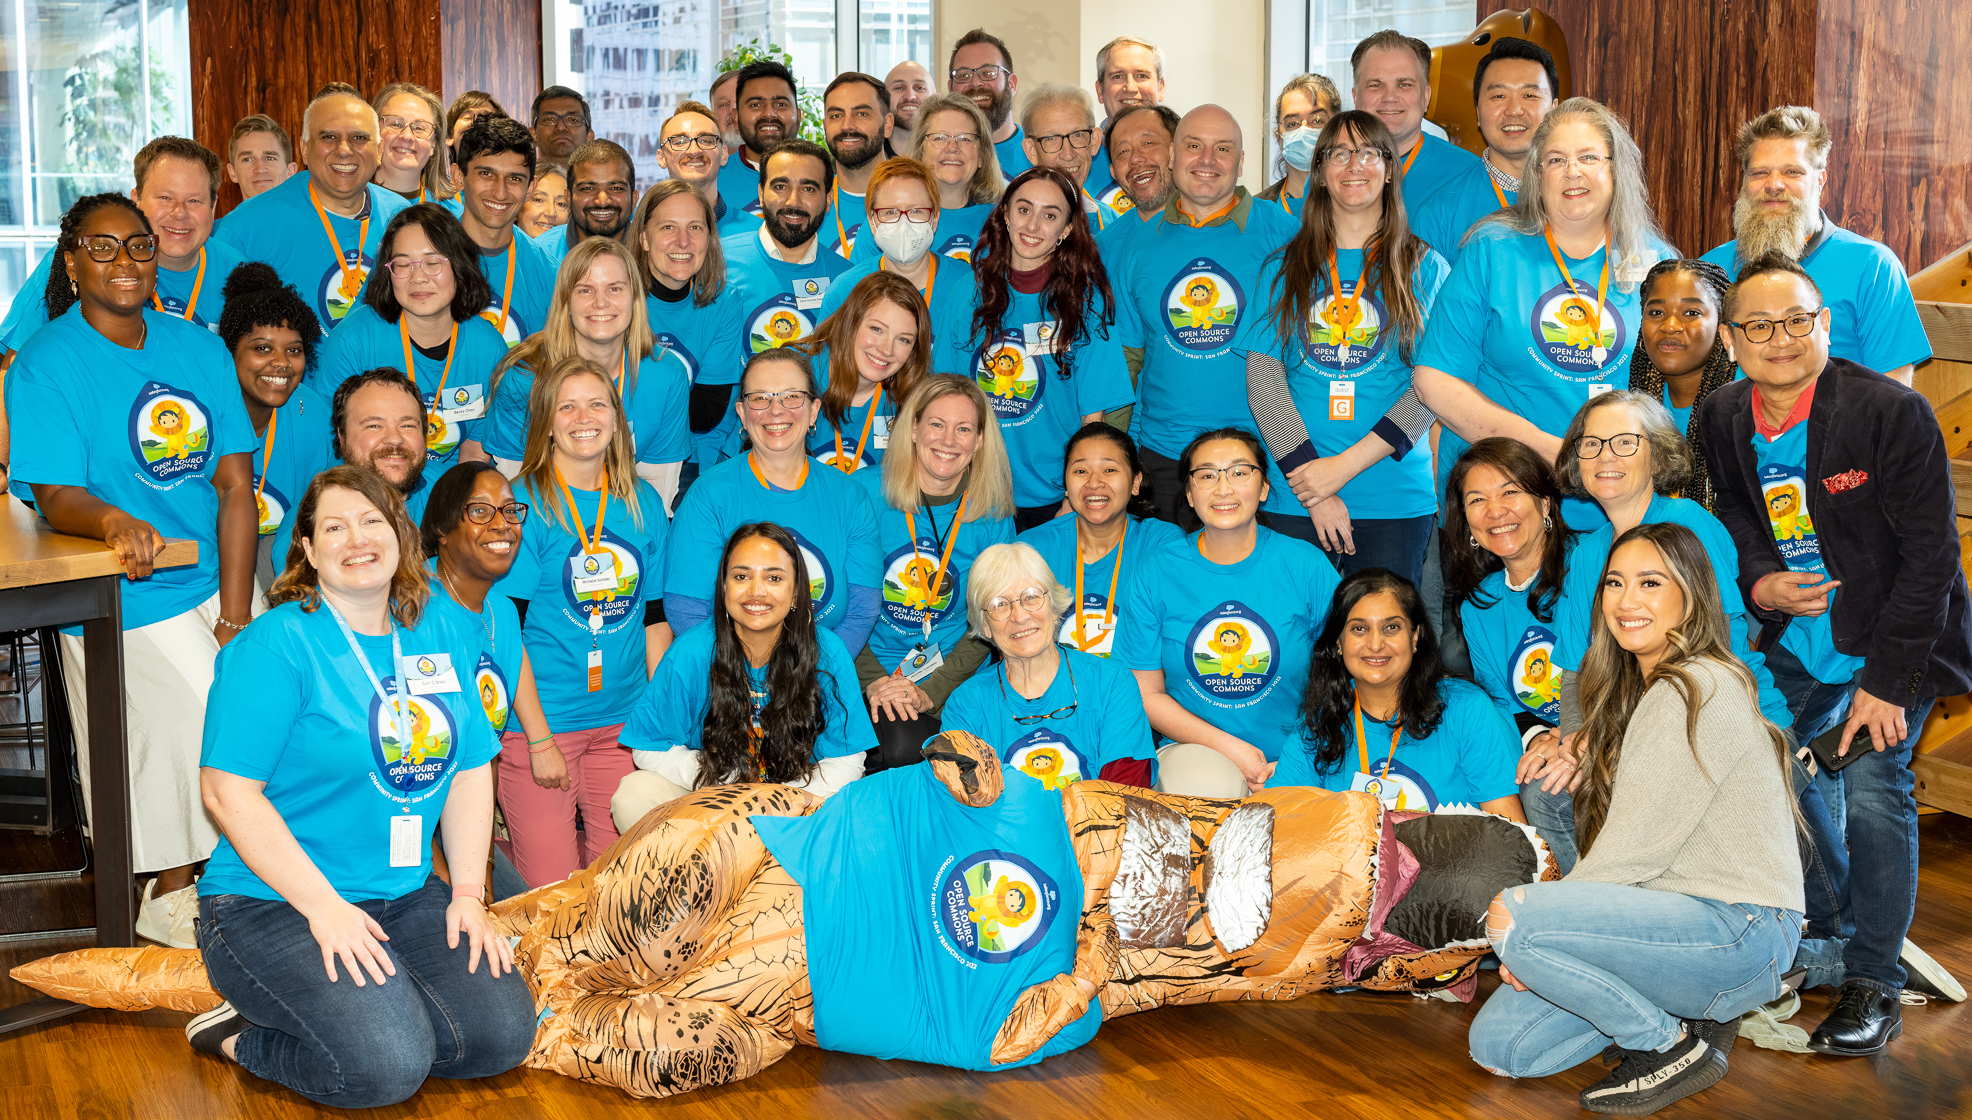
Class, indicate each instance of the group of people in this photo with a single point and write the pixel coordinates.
(968, 410)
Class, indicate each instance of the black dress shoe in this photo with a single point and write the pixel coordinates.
(1864, 1021)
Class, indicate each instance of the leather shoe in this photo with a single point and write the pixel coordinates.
(1864, 1021)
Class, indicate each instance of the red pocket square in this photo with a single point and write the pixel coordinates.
(1847, 480)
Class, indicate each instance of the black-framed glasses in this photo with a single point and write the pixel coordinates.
(423, 130)
(887, 215)
(1079, 139)
(1623, 445)
(1033, 601)
(481, 513)
(794, 400)
(102, 248)
(704, 142)
(1238, 472)
(1760, 330)
(562, 120)
(1075, 694)
(983, 73)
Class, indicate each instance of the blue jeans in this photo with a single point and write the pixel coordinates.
(1816, 706)
(1605, 963)
(1553, 818)
(350, 1047)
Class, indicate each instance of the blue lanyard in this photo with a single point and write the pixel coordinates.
(399, 707)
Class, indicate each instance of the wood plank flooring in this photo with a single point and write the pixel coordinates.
(1349, 1057)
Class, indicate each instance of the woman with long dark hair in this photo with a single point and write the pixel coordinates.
(1680, 355)
(876, 347)
(1349, 298)
(1376, 670)
(1035, 335)
(761, 694)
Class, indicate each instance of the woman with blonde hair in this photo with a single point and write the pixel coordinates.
(945, 494)
(411, 155)
(954, 142)
(692, 310)
(875, 348)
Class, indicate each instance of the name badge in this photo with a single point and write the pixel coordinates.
(592, 572)
(1598, 390)
(407, 841)
(880, 433)
(596, 669)
(427, 673)
(809, 290)
(921, 662)
(1039, 336)
(1341, 400)
(1386, 791)
(462, 402)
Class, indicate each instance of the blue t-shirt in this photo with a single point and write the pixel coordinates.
(1234, 640)
(707, 339)
(1107, 723)
(1468, 760)
(496, 674)
(1680, 416)
(553, 243)
(1056, 541)
(1872, 318)
(830, 517)
(1506, 323)
(780, 302)
(1345, 377)
(280, 226)
(1445, 191)
(1513, 651)
(949, 284)
(1021, 376)
(533, 287)
(672, 712)
(142, 430)
(910, 559)
(366, 341)
(843, 225)
(302, 448)
(208, 274)
(291, 707)
(1012, 156)
(1101, 184)
(739, 189)
(957, 235)
(1097, 214)
(1785, 490)
(860, 446)
(565, 585)
(936, 917)
(656, 407)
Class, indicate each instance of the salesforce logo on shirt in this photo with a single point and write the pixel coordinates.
(819, 583)
(1201, 307)
(1232, 655)
(1345, 337)
(1048, 758)
(491, 685)
(1536, 683)
(1786, 491)
(776, 323)
(671, 343)
(958, 247)
(993, 906)
(342, 285)
(270, 505)
(170, 434)
(1566, 335)
(907, 595)
(1010, 371)
(605, 581)
(411, 768)
(175, 306)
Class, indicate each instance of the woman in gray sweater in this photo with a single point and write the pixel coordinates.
(1685, 908)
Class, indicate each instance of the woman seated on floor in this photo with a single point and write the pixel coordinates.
(1687, 900)
(1053, 713)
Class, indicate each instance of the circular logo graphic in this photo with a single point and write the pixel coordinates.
(1398, 787)
(1093, 637)
(440, 437)
(672, 344)
(513, 330)
(170, 434)
(491, 684)
(1012, 374)
(1567, 336)
(1536, 682)
(419, 762)
(270, 505)
(819, 583)
(849, 238)
(1048, 758)
(993, 905)
(427, 666)
(1785, 489)
(1345, 336)
(908, 598)
(1232, 655)
(341, 287)
(1201, 307)
(606, 582)
(777, 323)
(958, 247)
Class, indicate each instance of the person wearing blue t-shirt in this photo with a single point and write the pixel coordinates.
(780, 273)
(1219, 626)
(321, 230)
(602, 196)
(1137, 143)
(1129, 74)
(1376, 671)
(766, 114)
(411, 162)
(943, 494)
(759, 694)
(1513, 89)
(1059, 123)
(1783, 168)
(1445, 187)
(376, 420)
(949, 142)
(1108, 532)
(127, 428)
(324, 878)
(981, 71)
(690, 151)
(1056, 715)
(496, 164)
(695, 315)
(421, 314)
(1184, 290)
(1301, 108)
(876, 349)
(856, 123)
(1681, 354)
(1036, 333)
(1347, 300)
(903, 226)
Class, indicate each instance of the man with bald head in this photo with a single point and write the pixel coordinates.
(320, 231)
(1129, 72)
(909, 84)
(1184, 288)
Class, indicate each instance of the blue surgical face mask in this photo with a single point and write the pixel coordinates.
(1298, 147)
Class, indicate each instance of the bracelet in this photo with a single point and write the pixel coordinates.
(233, 626)
(474, 891)
(550, 740)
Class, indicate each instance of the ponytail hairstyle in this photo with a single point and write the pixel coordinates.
(61, 293)
(794, 716)
(1076, 276)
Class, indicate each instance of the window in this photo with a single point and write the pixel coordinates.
(83, 84)
(1318, 35)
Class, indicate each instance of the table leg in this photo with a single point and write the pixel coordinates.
(109, 808)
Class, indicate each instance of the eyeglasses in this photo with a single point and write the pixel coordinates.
(1755, 330)
(704, 142)
(102, 248)
(1238, 473)
(793, 400)
(479, 513)
(983, 73)
(1625, 445)
(431, 264)
(423, 130)
(940, 139)
(1075, 694)
(1343, 157)
(1587, 161)
(561, 120)
(1033, 601)
(1081, 138)
(887, 215)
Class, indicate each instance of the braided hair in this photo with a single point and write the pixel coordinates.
(255, 297)
(1646, 378)
(61, 293)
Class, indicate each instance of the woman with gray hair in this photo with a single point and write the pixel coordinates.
(1055, 714)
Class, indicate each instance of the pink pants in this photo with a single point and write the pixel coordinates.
(541, 822)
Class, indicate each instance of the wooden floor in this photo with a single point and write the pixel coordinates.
(1327, 1056)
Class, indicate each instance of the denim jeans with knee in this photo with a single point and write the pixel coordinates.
(1816, 706)
(350, 1047)
(1606, 963)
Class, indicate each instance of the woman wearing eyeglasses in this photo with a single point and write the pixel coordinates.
(903, 224)
(1058, 715)
(1217, 625)
(955, 143)
(420, 314)
(693, 312)
(411, 161)
(773, 479)
(876, 348)
(128, 428)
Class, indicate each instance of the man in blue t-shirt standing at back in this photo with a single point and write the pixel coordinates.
(1445, 187)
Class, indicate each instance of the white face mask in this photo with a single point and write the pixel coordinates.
(903, 240)
(1297, 147)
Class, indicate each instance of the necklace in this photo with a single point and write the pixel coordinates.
(485, 616)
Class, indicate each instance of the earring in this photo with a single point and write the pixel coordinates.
(1547, 522)
(73, 290)
(1475, 542)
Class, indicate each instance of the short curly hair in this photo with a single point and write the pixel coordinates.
(1670, 456)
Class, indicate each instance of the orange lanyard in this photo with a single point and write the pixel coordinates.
(1109, 609)
(602, 510)
(1200, 223)
(1096, 210)
(841, 235)
(411, 371)
(761, 476)
(507, 293)
(266, 458)
(1497, 192)
(625, 367)
(1347, 309)
(930, 281)
(1412, 158)
(1285, 207)
(951, 538)
(862, 441)
(1601, 285)
(352, 278)
(1362, 747)
(198, 282)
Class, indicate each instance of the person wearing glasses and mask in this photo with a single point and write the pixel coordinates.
(412, 162)
(1056, 714)
(904, 215)
(950, 143)
(1302, 107)
(1061, 134)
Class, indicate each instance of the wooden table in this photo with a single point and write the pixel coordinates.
(51, 579)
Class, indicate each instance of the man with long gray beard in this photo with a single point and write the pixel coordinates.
(1783, 165)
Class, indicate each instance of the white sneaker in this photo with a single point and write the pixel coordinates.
(1925, 975)
(168, 919)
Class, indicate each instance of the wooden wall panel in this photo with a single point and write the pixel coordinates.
(493, 45)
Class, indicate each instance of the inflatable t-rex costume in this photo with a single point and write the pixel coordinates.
(732, 923)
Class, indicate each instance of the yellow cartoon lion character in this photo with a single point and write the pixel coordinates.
(1578, 321)
(783, 328)
(1007, 904)
(1231, 642)
(916, 579)
(1046, 765)
(1790, 519)
(1202, 297)
(1541, 688)
(170, 424)
(1002, 372)
(423, 742)
(1344, 319)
